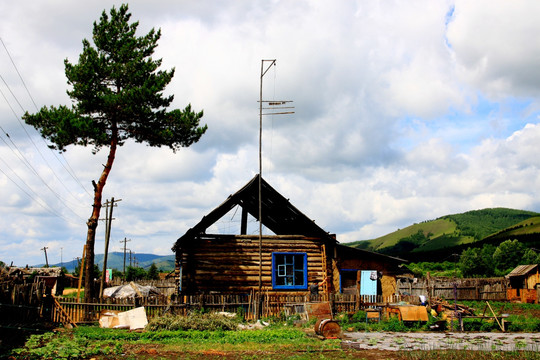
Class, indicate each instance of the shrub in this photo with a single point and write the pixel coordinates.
(359, 316)
(394, 324)
(523, 324)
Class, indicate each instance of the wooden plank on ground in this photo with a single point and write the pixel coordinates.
(319, 311)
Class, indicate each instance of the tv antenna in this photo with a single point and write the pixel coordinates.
(271, 107)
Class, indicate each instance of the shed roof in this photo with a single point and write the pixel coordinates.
(352, 252)
(521, 270)
(278, 214)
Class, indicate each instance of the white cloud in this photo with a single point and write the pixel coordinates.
(495, 47)
(403, 112)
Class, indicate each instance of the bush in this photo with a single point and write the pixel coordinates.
(394, 324)
(359, 316)
(523, 324)
(480, 325)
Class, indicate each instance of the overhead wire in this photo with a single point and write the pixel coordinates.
(65, 163)
(23, 159)
(36, 198)
(21, 155)
(16, 151)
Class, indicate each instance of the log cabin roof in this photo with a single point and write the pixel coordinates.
(278, 214)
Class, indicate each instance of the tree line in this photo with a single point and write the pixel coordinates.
(486, 261)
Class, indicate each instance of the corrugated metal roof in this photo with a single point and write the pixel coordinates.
(521, 270)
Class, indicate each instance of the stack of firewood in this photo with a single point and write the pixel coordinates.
(450, 309)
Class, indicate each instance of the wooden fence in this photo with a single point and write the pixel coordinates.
(22, 304)
(271, 305)
(492, 289)
(30, 302)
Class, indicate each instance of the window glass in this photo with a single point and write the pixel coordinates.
(289, 270)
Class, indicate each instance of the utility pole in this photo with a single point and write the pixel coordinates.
(46, 260)
(271, 107)
(61, 258)
(108, 223)
(125, 242)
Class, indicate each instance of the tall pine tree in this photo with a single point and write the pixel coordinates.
(117, 94)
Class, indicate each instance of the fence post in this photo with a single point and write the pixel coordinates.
(429, 289)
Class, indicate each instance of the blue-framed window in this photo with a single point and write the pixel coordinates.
(289, 271)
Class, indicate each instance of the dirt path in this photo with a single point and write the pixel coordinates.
(389, 341)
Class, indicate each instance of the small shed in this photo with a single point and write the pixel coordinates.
(524, 284)
(298, 254)
(52, 277)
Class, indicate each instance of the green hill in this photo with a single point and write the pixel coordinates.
(115, 260)
(525, 231)
(452, 233)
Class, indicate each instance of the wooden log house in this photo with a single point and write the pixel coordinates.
(298, 254)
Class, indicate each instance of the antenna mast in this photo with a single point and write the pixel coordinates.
(275, 108)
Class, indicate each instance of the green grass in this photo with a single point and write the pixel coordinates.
(437, 228)
(90, 341)
(528, 226)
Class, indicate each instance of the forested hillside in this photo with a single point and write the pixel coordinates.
(482, 223)
(451, 234)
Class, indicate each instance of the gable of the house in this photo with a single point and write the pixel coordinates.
(299, 252)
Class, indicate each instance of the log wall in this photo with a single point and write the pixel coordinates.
(231, 264)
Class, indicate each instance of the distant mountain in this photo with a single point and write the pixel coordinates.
(115, 260)
(437, 239)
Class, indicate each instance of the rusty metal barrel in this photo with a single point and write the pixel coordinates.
(327, 328)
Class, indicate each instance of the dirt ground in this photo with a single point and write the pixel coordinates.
(153, 353)
(368, 346)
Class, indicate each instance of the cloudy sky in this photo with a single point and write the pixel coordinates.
(404, 111)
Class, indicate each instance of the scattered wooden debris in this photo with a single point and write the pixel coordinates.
(451, 309)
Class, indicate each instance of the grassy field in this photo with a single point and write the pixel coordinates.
(437, 228)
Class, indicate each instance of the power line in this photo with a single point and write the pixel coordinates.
(17, 70)
(33, 170)
(47, 208)
(66, 166)
(29, 137)
(13, 147)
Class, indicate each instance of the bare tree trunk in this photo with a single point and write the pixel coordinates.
(89, 288)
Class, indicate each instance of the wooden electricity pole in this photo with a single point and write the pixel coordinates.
(125, 242)
(46, 260)
(108, 223)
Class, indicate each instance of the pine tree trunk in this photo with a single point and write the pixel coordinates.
(89, 283)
